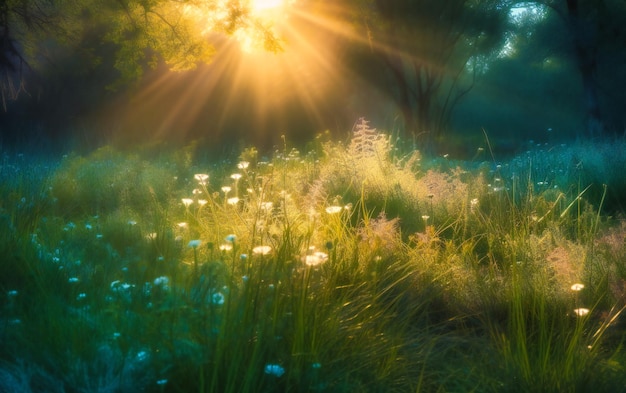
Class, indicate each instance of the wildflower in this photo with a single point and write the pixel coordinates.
(201, 178)
(162, 281)
(202, 202)
(73, 280)
(235, 176)
(99, 236)
(218, 298)
(88, 226)
(425, 218)
(577, 287)
(315, 259)
(132, 222)
(581, 312)
(243, 165)
(141, 356)
(275, 370)
(333, 209)
(116, 335)
(187, 201)
(226, 189)
(151, 236)
(226, 247)
(231, 238)
(194, 243)
(161, 381)
(232, 201)
(81, 296)
(266, 206)
(196, 191)
(261, 250)
(182, 225)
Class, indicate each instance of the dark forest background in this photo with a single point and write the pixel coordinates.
(438, 73)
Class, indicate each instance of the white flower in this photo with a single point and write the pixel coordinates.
(194, 243)
(315, 259)
(231, 238)
(226, 189)
(235, 176)
(261, 250)
(182, 225)
(226, 247)
(577, 287)
(162, 281)
(201, 178)
(581, 312)
(243, 165)
(275, 370)
(333, 209)
(202, 202)
(132, 222)
(187, 201)
(232, 201)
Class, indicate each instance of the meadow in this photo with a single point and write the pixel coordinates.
(348, 267)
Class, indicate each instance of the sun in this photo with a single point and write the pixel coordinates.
(266, 5)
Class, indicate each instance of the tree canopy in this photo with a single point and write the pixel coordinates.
(422, 57)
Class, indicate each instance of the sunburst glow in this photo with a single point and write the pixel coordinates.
(263, 5)
(261, 93)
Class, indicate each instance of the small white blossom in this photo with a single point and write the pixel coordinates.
(201, 178)
(333, 209)
(261, 250)
(578, 287)
(162, 281)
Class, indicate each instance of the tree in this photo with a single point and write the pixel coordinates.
(426, 46)
(180, 33)
(592, 28)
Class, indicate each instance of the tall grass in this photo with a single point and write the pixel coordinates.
(347, 268)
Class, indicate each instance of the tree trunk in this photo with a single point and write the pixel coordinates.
(584, 32)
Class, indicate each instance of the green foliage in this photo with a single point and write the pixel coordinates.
(344, 269)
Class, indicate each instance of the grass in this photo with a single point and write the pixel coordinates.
(345, 268)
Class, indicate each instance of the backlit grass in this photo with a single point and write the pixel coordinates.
(345, 268)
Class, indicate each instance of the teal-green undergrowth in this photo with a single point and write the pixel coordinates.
(344, 268)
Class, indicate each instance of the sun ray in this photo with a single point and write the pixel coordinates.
(256, 93)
